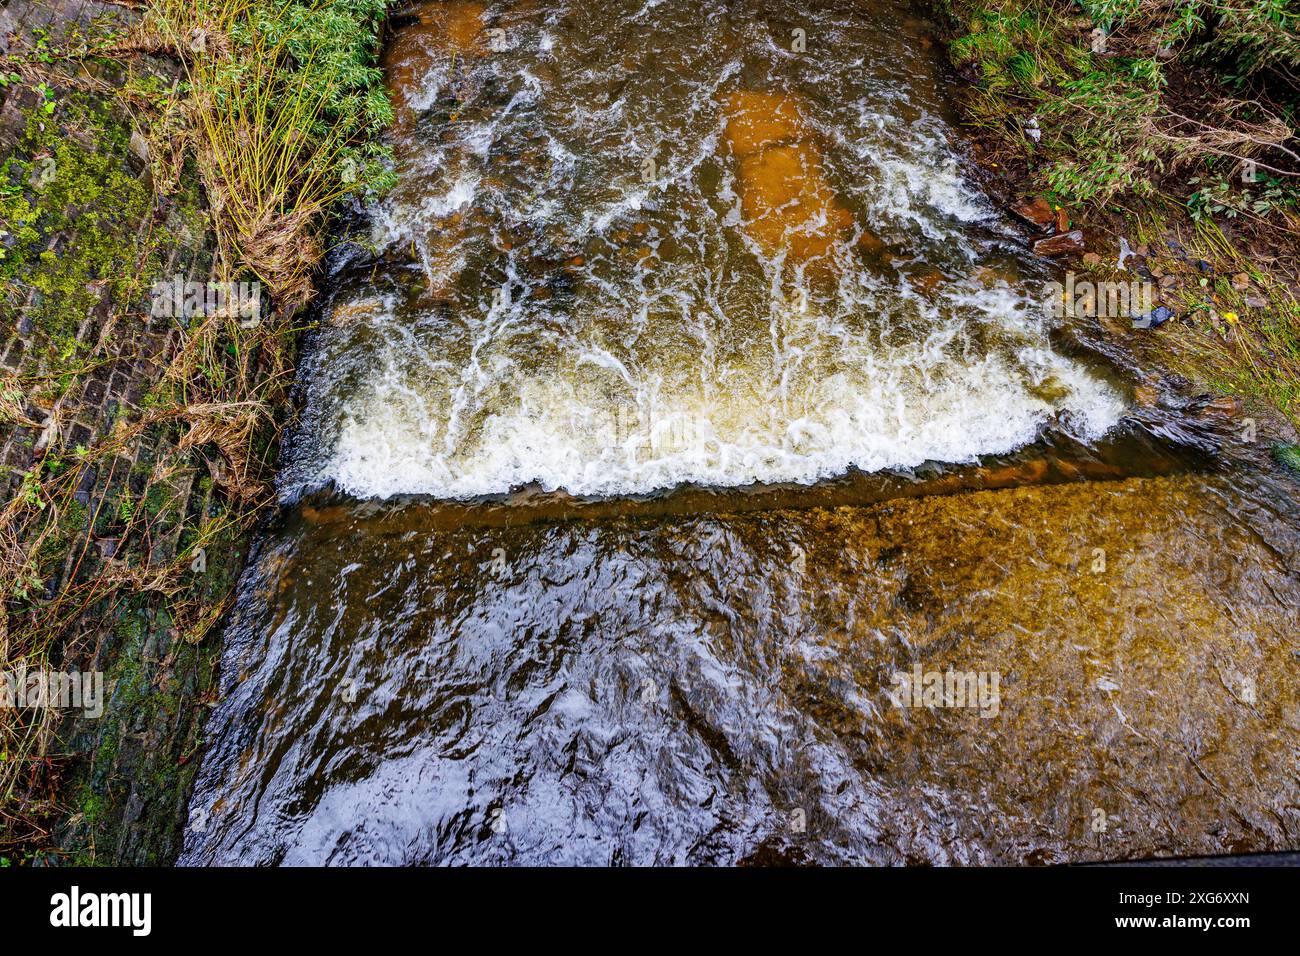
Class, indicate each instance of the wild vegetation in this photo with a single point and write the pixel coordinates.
(285, 104)
(1135, 90)
(272, 124)
(1176, 116)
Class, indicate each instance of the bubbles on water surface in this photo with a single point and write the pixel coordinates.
(807, 284)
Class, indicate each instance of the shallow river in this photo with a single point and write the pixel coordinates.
(684, 417)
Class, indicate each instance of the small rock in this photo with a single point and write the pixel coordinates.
(870, 242)
(140, 145)
(1255, 302)
(1091, 260)
(992, 275)
(1241, 281)
(1224, 406)
(928, 281)
(1066, 243)
(350, 312)
(1037, 214)
(1155, 318)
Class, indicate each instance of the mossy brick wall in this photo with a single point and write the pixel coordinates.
(26, 16)
(74, 318)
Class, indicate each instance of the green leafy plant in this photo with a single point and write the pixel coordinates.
(1264, 197)
(1102, 86)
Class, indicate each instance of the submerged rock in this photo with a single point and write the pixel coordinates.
(433, 31)
(757, 120)
(785, 196)
(927, 280)
(1065, 243)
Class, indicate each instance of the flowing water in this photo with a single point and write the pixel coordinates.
(684, 392)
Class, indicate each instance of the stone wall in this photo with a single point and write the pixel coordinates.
(82, 362)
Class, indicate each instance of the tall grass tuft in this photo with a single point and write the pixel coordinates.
(286, 104)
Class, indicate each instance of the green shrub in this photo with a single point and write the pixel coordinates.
(1110, 126)
(288, 104)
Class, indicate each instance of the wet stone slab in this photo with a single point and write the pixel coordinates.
(787, 201)
(727, 688)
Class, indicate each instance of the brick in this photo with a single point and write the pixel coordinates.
(79, 436)
(86, 485)
(94, 391)
(147, 732)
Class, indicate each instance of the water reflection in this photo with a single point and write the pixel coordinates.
(680, 690)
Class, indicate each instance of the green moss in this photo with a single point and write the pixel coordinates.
(75, 516)
(73, 213)
(68, 534)
(154, 698)
(1288, 455)
(158, 497)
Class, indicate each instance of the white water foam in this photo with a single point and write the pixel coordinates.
(594, 426)
(650, 379)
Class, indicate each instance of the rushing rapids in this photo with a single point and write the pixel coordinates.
(619, 261)
(684, 401)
